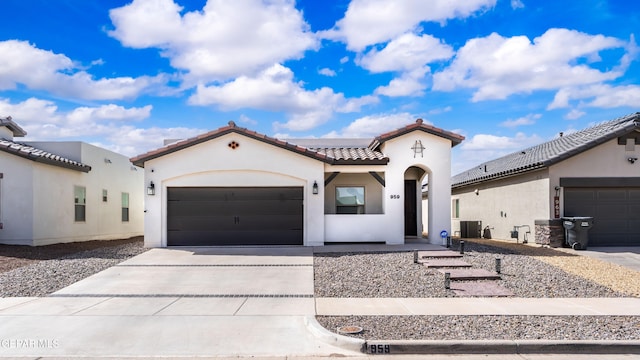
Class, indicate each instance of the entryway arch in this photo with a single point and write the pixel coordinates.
(414, 178)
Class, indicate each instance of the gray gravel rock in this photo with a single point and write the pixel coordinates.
(489, 327)
(47, 276)
(395, 275)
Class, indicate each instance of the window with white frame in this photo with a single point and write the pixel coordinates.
(125, 207)
(455, 208)
(349, 199)
(80, 203)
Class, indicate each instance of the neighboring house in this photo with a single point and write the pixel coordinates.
(233, 186)
(54, 192)
(594, 172)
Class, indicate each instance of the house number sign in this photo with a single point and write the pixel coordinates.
(394, 196)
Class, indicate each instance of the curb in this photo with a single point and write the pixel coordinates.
(393, 347)
(326, 336)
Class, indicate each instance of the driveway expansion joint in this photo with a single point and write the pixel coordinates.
(185, 295)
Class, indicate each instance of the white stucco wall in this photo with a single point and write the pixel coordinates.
(252, 164)
(46, 193)
(436, 162)
(16, 200)
(503, 204)
(606, 160)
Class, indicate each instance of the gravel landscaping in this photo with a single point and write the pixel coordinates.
(44, 270)
(528, 271)
(489, 327)
(395, 275)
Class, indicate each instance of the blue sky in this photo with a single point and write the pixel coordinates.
(506, 74)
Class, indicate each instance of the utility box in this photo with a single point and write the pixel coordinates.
(577, 231)
(471, 229)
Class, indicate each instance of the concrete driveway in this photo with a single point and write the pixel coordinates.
(627, 256)
(180, 302)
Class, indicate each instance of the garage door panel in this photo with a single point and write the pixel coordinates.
(200, 216)
(201, 222)
(233, 238)
(616, 213)
(611, 195)
(579, 195)
(612, 211)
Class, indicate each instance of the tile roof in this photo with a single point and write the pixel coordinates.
(360, 157)
(41, 156)
(11, 125)
(418, 125)
(550, 152)
(338, 153)
(346, 156)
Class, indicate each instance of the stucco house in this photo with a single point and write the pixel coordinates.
(594, 172)
(54, 192)
(234, 186)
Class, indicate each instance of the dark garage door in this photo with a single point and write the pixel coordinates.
(215, 216)
(616, 213)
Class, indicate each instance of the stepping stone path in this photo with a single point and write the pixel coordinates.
(445, 263)
(475, 284)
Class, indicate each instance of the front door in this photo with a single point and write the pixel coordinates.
(410, 209)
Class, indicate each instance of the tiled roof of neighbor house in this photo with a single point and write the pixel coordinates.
(331, 151)
(11, 125)
(41, 156)
(418, 125)
(550, 152)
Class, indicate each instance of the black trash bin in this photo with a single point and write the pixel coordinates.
(577, 231)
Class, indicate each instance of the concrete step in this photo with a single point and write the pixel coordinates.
(445, 263)
(470, 274)
(480, 288)
(438, 254)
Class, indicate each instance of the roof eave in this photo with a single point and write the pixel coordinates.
(500, 175)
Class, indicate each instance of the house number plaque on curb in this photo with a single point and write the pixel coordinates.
(379, 349)
(394, 196)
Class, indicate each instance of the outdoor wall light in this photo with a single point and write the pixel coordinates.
(476, 191)
(315, 188)
(632, 159)
(151, 189)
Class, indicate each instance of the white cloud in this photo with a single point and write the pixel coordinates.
(600, 95)
(344, 59)
(39, 69)
(374, 125)
(108, 112)
(487, 142)
(44, 121)
(408, 52)
(275, 90)
(440, 110)
(369, 22)
(132, 141)
(327, 72)
(529, 119)
(498, 67)
(574, 114)
(517, 4)
(408, 84)
(226, 39)
(484, 147)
